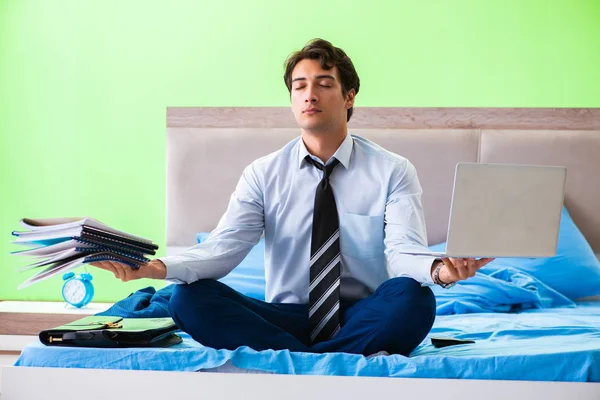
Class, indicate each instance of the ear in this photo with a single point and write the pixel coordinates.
(350, 98)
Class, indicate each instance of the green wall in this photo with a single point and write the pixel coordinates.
(84, 86)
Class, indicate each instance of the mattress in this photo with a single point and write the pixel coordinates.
(557, 344)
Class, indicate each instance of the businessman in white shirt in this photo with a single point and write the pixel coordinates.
(337, 211)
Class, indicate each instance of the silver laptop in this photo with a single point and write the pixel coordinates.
(504, 210)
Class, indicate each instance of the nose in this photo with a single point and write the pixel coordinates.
(311, 97)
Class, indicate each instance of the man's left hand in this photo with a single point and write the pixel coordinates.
(459, 269)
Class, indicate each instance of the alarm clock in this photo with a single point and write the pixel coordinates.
(77, 291)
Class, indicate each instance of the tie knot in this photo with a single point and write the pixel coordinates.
(327, 168)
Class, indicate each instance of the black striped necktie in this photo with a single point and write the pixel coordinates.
(324, 287)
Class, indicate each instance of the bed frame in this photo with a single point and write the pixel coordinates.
(207, 149)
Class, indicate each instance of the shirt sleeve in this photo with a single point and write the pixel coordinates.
(405, 227)
(239, 229)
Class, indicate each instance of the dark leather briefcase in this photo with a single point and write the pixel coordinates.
(103, 331)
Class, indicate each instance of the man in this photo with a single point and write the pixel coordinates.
(336, 211)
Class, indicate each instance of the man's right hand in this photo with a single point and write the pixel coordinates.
(154, 269)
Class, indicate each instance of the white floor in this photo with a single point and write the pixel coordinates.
(75, 384)
(12, 343)
(6, 361)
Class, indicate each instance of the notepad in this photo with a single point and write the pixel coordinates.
(57, 245)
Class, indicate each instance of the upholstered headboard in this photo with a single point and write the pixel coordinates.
(207, 149)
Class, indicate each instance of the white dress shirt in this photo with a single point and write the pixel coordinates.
(378, 197)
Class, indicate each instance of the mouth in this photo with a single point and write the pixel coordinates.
(311, 111)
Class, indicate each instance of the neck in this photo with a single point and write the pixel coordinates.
(323, 144)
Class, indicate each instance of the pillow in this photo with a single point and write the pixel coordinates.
(574, 271)
(248, 278)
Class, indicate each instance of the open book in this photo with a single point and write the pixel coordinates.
(58, 245)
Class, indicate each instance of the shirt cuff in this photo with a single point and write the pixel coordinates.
(176, 271)
(427, 280)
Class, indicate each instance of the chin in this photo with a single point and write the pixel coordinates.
(313, 127)
(313, 124)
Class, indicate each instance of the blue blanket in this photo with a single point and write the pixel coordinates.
(531, 340)
(503, 290)
(145, 303)
(561, 344)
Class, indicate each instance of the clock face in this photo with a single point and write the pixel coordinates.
(74, 291)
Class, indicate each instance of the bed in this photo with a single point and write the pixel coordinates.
(519, 352)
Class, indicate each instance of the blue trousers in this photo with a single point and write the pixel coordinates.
(395, 318)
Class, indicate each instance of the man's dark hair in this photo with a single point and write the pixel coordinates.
(329, 56)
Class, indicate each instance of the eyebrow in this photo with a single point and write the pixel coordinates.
(317, 77)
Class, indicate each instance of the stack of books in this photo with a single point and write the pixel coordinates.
(61, 244)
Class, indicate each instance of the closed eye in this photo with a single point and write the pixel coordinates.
(321, 85)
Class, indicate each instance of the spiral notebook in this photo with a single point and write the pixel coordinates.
(44, 229)
(57, 245)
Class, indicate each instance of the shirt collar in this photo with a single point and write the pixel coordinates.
(342, 154)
